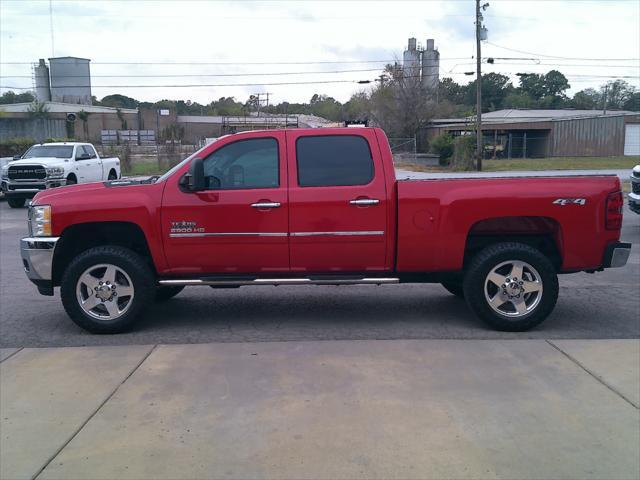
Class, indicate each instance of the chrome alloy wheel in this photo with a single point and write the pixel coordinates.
(513, 288)
(104, 291)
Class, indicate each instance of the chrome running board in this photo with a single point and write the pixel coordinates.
(235, 282)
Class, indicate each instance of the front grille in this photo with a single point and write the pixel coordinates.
(635, 187)
(27, 186)
(27, 172)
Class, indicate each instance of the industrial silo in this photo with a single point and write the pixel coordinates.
(70, 80)
(41, 73)
(411, 60)
(430, 67)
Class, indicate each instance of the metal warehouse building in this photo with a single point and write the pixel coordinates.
(550, 133)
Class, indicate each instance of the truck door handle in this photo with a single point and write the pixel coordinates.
(364, 201)
(266, 205)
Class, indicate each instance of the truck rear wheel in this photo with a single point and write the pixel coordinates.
(16, 202)
(511, 286)
(105, 289)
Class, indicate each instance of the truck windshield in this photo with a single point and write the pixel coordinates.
(57, 151)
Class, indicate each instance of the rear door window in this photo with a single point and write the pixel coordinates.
(333, 160)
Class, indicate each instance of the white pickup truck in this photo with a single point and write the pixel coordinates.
(50, 165)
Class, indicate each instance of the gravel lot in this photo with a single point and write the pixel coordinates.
(604, 305)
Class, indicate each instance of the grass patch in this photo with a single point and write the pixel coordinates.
(561, 163)
(144, 169)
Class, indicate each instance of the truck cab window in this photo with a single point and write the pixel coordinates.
(243, 164)
(333, 160)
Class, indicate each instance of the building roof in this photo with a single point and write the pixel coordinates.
(550, 114)
(69, 58)
(59, 107)
(530, 116)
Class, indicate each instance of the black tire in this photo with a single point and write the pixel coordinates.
(454, 288)
(141, 275)
(167, 292)
(491, 257)
(112, 175)
(16, 202)
(72, 180)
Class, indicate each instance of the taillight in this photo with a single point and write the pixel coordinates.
(613, 214)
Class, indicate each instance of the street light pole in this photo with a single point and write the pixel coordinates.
(478, 90)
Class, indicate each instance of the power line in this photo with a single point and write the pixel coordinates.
(206, 74)
(317, 62)
(564, 58)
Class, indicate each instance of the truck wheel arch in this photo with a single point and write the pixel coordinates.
(72, 177)
(540, 232)
(77, 238)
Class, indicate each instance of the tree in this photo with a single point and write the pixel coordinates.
(532, 84)
(495, 88)
(544, 90)
(617, 93)
(587, 99)
(518, 100)
(399, 104)
(119, 101)
(451, 91)
(633, 102)
(555, 84)
(12, 97)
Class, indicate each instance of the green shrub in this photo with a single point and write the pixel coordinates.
(15, 146)
(464, 148)
(442, 145)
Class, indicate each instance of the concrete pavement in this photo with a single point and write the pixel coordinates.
(335, 409)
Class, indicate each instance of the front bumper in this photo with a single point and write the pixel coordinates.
(28, 188)
(37, 259)
(616, 254)
(634, 202)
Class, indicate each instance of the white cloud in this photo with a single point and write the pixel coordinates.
(119, 31)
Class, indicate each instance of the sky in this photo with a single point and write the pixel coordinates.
(216, 45)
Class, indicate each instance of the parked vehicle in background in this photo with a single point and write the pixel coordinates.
(4, 161)
(318, 207)
(50, 165)
(634, 195)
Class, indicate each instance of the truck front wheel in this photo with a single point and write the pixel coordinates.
(105, 289)
(16, 202)
(511, 286)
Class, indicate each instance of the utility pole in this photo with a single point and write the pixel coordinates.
(604, 103)
(480, 33)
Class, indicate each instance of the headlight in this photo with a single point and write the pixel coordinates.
(40, 221)
(55, 171)
(5, 171)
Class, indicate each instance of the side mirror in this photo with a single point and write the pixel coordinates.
(83, 156)
(17, 157)
(194, 181)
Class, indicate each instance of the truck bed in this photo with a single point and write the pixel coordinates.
(435, 218)
(407, 175)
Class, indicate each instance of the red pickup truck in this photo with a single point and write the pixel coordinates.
(323, 206)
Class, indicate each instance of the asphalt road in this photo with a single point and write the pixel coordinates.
(603, 305)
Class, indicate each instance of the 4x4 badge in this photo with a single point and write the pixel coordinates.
(570, 201)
